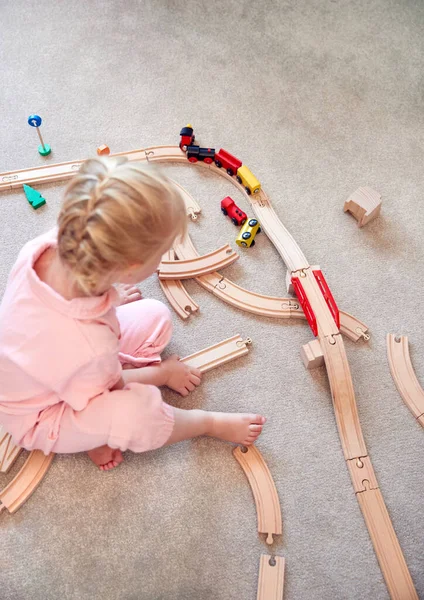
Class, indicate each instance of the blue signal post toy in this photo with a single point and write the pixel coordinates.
(35, 121)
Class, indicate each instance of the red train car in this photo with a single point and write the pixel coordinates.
(228, 161)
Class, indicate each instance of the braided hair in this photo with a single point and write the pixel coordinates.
(116, 214)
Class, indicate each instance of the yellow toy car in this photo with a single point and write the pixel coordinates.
(248, 180)
(246, 237)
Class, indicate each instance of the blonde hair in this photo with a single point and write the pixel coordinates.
(116, 214)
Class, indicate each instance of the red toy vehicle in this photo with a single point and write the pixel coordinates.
(229, 207)
(187, 137)
(228, 161)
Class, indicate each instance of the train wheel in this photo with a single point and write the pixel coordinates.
(259, 230)
(230, 172)
(243, 244)
(218, 164)
(184, 148)
(224, 212)
(234, 220)
(192, 159)
(253, 243)
(208, 161)
(239, 179)
(248, 192)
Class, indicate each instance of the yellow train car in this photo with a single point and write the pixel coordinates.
(246, 236)
(248, 180)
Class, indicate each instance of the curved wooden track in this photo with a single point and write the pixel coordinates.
(386, 545)
(264, 490)
(404, 376)
(178, 297)
(26, 481)
(201, 265)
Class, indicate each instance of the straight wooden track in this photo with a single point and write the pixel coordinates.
(218, 354)
(371, 502)
(271, 578)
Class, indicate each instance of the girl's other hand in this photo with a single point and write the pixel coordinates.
(128, 293)
(180, 377)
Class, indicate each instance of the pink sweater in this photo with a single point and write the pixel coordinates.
(52, 349)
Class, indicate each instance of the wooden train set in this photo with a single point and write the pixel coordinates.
(314, 302)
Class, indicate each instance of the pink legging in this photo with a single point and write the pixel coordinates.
(134, 418)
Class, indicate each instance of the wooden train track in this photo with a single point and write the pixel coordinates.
(404, 376)
(9, 452)
(389, 554)
(26, 481)
(218, 354)
(178, 297)
(271, 578)
(264, 491)
(201, 265)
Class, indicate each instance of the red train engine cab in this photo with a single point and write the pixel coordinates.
(230, 208)
(224, 159)
(195, 153)
(187, 137)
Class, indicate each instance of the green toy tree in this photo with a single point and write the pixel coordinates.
(34, 198)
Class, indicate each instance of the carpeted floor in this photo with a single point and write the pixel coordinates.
(318, 97)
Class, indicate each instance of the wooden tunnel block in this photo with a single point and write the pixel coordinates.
(364, 204)
(271, 578)
(103, 150)
(312, 355)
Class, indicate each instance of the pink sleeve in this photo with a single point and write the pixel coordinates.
(90, 380)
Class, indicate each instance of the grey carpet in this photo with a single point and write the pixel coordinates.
(318, 98)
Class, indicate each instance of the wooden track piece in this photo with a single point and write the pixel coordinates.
(176, 294)
(404, 376)
(364, 204)
(178, 297)
(192, 206)
(386, 545)
(218, 354)
(264, 491)
(312, 355)
(26, 481)
(271, 578)
(201, 265)
(8, 451)
(343, 396)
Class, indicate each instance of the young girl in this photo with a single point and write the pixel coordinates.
(76, 373)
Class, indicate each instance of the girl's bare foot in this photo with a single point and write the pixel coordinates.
(238, 428)
(128, 293)
(106, 458)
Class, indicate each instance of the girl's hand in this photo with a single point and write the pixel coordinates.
(179, 376)
(128, 293)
